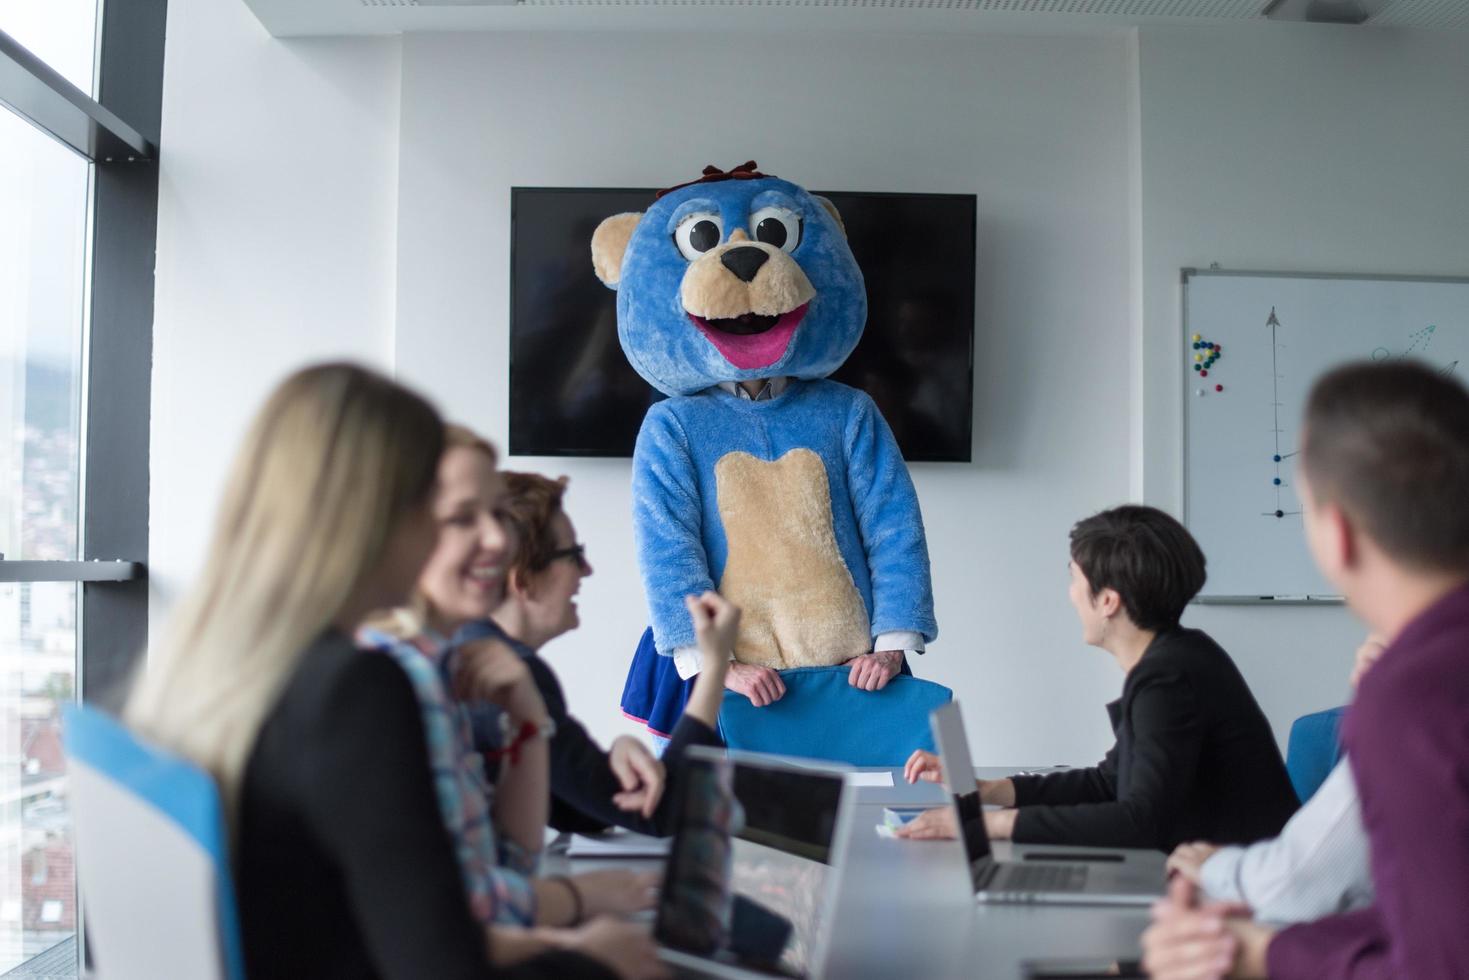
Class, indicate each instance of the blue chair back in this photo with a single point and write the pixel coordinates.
(1313, 750)
(822, 716)
(153, 861)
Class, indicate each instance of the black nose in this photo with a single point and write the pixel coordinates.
(744, 261)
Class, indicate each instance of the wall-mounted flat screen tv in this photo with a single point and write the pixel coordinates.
(572, 392)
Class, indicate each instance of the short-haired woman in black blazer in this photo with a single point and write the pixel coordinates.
(1195, 758)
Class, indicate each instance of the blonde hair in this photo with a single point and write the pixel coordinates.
(336, 458)
(408, 621)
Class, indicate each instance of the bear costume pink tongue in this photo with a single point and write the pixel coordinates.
(751, 351)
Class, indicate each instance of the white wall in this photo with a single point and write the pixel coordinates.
(290, 229)
(277, 219)
(1289, 147)
(1029, 124)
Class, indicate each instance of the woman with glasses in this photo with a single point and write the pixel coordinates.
(591, 788)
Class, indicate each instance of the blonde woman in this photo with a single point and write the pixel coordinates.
(494, 805)
(343, 868)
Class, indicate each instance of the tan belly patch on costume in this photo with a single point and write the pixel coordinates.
(801, 608)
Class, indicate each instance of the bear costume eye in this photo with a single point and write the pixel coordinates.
(777, 227)
(697, 234)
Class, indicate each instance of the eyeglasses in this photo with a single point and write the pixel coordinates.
(577, 551)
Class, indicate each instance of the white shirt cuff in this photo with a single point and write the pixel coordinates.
(1219, 876)
(908, 641)
(686, 661)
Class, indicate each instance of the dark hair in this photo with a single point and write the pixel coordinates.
(1389, 444)
(1149, 558)
(532, 502)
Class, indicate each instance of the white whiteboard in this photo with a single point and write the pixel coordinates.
(1265, 367)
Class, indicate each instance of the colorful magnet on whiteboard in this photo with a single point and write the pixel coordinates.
(1218, 387)
(1280, 513)
(1198, 336)
(1198, 367)
(1277, 481)
(1276, 458)
(1198, 357)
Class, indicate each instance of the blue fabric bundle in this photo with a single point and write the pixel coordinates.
(822, 716)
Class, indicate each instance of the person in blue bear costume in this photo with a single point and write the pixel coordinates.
(759, 477)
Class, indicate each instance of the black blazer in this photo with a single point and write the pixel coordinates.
(582, 783)
(343, 865)
(1195, 760)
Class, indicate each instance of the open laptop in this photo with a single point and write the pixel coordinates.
(750, 887)
(1062, 881)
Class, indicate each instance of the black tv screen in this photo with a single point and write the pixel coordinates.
(572, 392)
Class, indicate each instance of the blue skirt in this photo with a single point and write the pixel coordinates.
(654, 694)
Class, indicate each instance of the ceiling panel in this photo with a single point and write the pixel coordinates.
(289, 18)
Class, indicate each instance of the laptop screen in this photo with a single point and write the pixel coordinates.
(750, 873)
(953, 745)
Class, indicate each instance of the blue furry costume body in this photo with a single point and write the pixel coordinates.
(797, 507)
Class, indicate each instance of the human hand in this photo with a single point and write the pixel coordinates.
(1367, 654)
(490, 671)
(872, 671)
(625, 948)
(925, 766)
(1188, 941)
(760, 684)
(939, 823)
(616, 891)
(716, 627)
(641, 776)
(1188, 859)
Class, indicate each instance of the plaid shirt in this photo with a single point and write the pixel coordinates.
(496, 873)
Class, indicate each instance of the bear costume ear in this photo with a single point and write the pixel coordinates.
(831, 209)
(609, 244)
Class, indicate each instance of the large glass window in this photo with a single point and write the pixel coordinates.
(76, 246)
(38, 648)
(61, 33)
(44, 189)
(43, 249)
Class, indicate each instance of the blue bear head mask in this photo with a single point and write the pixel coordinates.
(734, 277)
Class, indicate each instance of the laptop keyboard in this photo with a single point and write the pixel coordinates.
(1042, 878)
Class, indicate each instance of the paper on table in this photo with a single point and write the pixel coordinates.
(617, 844)
(884, 778)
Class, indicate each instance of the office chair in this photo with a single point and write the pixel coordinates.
(1313, 750)
(152, 857)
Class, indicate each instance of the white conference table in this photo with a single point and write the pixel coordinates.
(907, 908)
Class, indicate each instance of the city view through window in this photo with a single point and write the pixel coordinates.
(44, 191)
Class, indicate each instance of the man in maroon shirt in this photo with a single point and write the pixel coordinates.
(1384, 483)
